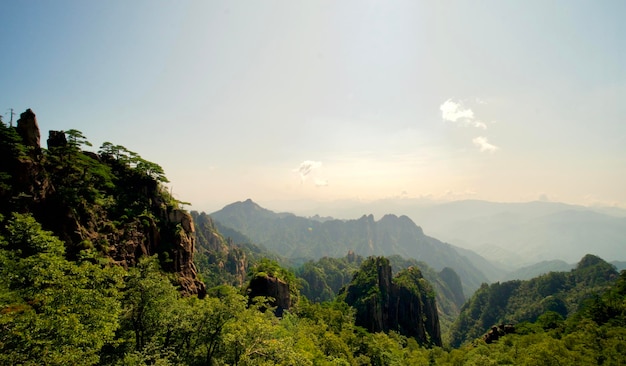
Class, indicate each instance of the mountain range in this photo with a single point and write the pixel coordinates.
(510, 235)
(298, 237)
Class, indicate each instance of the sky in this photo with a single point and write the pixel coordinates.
(321, 101)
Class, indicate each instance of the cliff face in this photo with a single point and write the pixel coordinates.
(23, 178)
(274, 288)
(104, 202)
(405, 303)
(220, 261)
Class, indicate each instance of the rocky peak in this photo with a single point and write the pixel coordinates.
(140, 220)
(21, 163)
(183, 218)
(405, 304)
(28, 129)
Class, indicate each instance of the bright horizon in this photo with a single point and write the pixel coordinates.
(329, 101)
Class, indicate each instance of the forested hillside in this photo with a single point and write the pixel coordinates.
(558, 293)
(322, 280)
(98, 267)
(110, 203)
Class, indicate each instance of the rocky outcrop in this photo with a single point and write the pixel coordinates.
(167, 232)
(405, 304)
(56, 139)
(219, 253)
(183, 249)
(271, 287)
(498, 331)
(414, 309)
(95, 202)
(208, 238)
(28, 129)
(23, 179)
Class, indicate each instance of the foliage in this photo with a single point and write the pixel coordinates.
(87, 311)
(133, 160)
(53, 311)
(298, 237)
(271, 268)
(517, 301)
(323, 279)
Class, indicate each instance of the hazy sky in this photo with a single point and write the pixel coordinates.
(329, 100)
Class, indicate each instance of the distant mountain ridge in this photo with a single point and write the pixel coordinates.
(538, 269)
(294, 236)
(513, 234)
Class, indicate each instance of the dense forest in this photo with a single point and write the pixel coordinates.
(100, 265)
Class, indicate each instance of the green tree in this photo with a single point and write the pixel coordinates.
(149, 301)
(52, 311)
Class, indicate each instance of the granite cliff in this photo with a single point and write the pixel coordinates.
(405, 304)
(111, 203)
(219, 260)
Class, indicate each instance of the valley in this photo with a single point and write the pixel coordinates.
(101, 265)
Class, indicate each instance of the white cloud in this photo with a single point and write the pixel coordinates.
(453, 112)
(479, 124)
(306, 167)
(484, 144)
(321, 182)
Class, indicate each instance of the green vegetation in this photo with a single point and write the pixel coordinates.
(323, 279)
(298, 237)
(73, 291)
(53, 311)
(560, 293)
(89, 200)
(58, 312)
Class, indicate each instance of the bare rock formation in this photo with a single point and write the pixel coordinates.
(28, 129)
(271, 287)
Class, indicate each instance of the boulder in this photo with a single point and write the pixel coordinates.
(56, 139)
(274, 288)
(182, 217)
(498, 331)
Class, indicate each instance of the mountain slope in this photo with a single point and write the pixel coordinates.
(294, 236)
(517, 301)
(538, 269)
